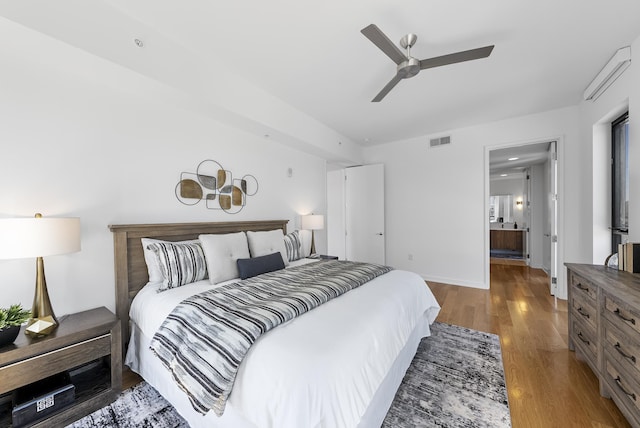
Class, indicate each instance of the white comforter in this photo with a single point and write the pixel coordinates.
(321, 369)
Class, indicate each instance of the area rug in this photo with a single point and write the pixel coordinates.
(506, 254)
(455, 380)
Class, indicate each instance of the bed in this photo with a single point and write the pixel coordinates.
(338, 365)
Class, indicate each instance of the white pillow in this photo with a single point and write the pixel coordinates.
(153, 267)
(264, 243)
(222, 252)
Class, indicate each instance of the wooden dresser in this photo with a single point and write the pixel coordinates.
(604, 331)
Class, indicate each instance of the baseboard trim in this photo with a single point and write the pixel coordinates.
(454, 281)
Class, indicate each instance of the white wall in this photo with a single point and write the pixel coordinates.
(435, 197)
(436, 212)
(111, 151)
(595, 130)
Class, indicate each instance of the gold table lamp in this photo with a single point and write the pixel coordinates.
(39, 237)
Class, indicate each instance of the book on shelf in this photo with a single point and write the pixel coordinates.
(620, 256)
(629, 257)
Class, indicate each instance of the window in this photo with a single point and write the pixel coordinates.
(619, 180)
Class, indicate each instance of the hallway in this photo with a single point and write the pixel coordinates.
(547, 385)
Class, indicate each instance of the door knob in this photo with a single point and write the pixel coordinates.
(379, 234)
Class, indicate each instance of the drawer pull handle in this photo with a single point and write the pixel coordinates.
(581, 312)
(631, 320)
(582, 287)
(619, 383)
(585, 340)
(627, 356)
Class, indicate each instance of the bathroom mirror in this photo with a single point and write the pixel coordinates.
(500, 209)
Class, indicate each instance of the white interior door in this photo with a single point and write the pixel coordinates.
(336, 213)
(364, 213)
(527, 215)
(553, 217)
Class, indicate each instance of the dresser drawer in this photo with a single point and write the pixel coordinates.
(582, 287)
(623, 348)
(584, 310)
(586, 340)
(624, 389)
(621, 316)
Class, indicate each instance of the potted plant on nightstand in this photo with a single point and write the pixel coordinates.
(10, 321)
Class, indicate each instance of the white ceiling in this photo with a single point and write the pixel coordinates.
(313, 56)
(513, 160)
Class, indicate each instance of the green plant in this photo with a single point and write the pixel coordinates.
(15, 315)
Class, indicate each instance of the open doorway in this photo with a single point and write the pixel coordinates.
(523, 226)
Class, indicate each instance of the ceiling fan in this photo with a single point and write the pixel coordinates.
(409, 66)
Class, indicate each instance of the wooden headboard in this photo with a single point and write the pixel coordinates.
(130, 267)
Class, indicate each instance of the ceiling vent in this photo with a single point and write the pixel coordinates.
(434, 142)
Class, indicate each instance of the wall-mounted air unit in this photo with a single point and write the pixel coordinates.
(614, 68)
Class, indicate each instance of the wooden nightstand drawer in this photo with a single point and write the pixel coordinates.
(50, 363)
(86, 337)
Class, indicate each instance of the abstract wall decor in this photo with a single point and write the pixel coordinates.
(215, 186)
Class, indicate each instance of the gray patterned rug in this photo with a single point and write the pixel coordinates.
(455, 380)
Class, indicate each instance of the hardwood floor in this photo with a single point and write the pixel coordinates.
(547, 385)
(129, 378)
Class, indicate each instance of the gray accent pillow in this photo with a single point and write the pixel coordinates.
(258, 265)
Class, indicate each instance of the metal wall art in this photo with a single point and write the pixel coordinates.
(216, 186)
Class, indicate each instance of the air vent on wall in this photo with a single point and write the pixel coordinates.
(434, 142)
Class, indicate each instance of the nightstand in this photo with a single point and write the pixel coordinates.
(322, 257)
(85, 339)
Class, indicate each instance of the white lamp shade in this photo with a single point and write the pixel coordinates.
(312, 222)
(38, 237)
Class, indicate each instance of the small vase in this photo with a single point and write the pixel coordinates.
(8, 335)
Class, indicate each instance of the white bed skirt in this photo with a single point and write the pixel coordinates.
(141, 360)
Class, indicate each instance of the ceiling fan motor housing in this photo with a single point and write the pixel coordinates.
(408, 68)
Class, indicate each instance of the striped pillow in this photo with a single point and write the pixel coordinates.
(293, 245)
(180, 263)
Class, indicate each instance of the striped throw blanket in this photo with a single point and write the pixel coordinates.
(204, 340)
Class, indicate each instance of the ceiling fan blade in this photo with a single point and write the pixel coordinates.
(456, 57)
(383, 93)
(373, 33)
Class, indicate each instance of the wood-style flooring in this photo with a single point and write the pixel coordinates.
(547, 385)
